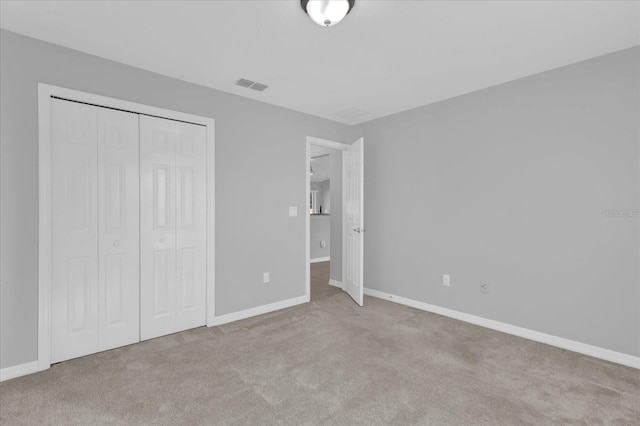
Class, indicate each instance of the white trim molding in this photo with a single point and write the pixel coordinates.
(45, 93)
(336, 283)
(327, 143)
(19, 370)
(560, 342)
(320, 259)
(259, 310)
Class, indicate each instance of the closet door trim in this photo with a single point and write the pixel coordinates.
(46, 93)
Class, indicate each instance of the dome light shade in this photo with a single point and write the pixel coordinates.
(327, 12)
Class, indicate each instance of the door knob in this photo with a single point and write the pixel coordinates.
(116, 243)
(162, 240)
(358, 230)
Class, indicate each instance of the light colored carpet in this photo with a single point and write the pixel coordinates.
(330, 362)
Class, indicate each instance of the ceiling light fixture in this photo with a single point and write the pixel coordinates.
(327, 12)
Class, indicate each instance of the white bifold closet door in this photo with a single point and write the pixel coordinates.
(173, 226)
(95, 229)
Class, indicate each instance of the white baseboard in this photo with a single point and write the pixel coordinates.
(18, 370)
(560, 342)
(335, 283)
(259, 310)
(320, 259)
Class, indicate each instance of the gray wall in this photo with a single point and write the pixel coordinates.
(509, 185)
(260, 161)
(317, 186)
(335, 272)
(320, 225)
(326, 196)
(319, 231)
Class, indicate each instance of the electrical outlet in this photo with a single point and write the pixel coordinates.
(485, 286)
(265, 277)
(446, 280)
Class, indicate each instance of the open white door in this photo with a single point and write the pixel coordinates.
(353, 220)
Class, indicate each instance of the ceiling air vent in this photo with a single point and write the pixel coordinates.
(352, 114)
(258, 86)
(243, 82)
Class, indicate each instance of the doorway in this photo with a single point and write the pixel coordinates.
(327, 195)
(325, 212)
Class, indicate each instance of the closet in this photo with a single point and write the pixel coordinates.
(128, 213)
(173, 226)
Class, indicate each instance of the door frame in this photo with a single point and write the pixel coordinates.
(45, 93)
(327, 144)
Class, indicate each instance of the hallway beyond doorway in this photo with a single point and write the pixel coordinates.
(320, 287)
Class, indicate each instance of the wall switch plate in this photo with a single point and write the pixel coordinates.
(293, 211)
(485, 286)
(265, 277)
(446, 280)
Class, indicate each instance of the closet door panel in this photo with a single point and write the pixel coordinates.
(119, 234)
(158, 140)
(191, 225)
(74, 194)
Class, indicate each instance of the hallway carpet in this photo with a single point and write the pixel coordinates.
(330, 362)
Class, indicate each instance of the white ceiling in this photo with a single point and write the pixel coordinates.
(321, 169)
(383, 58)
(321, 162)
